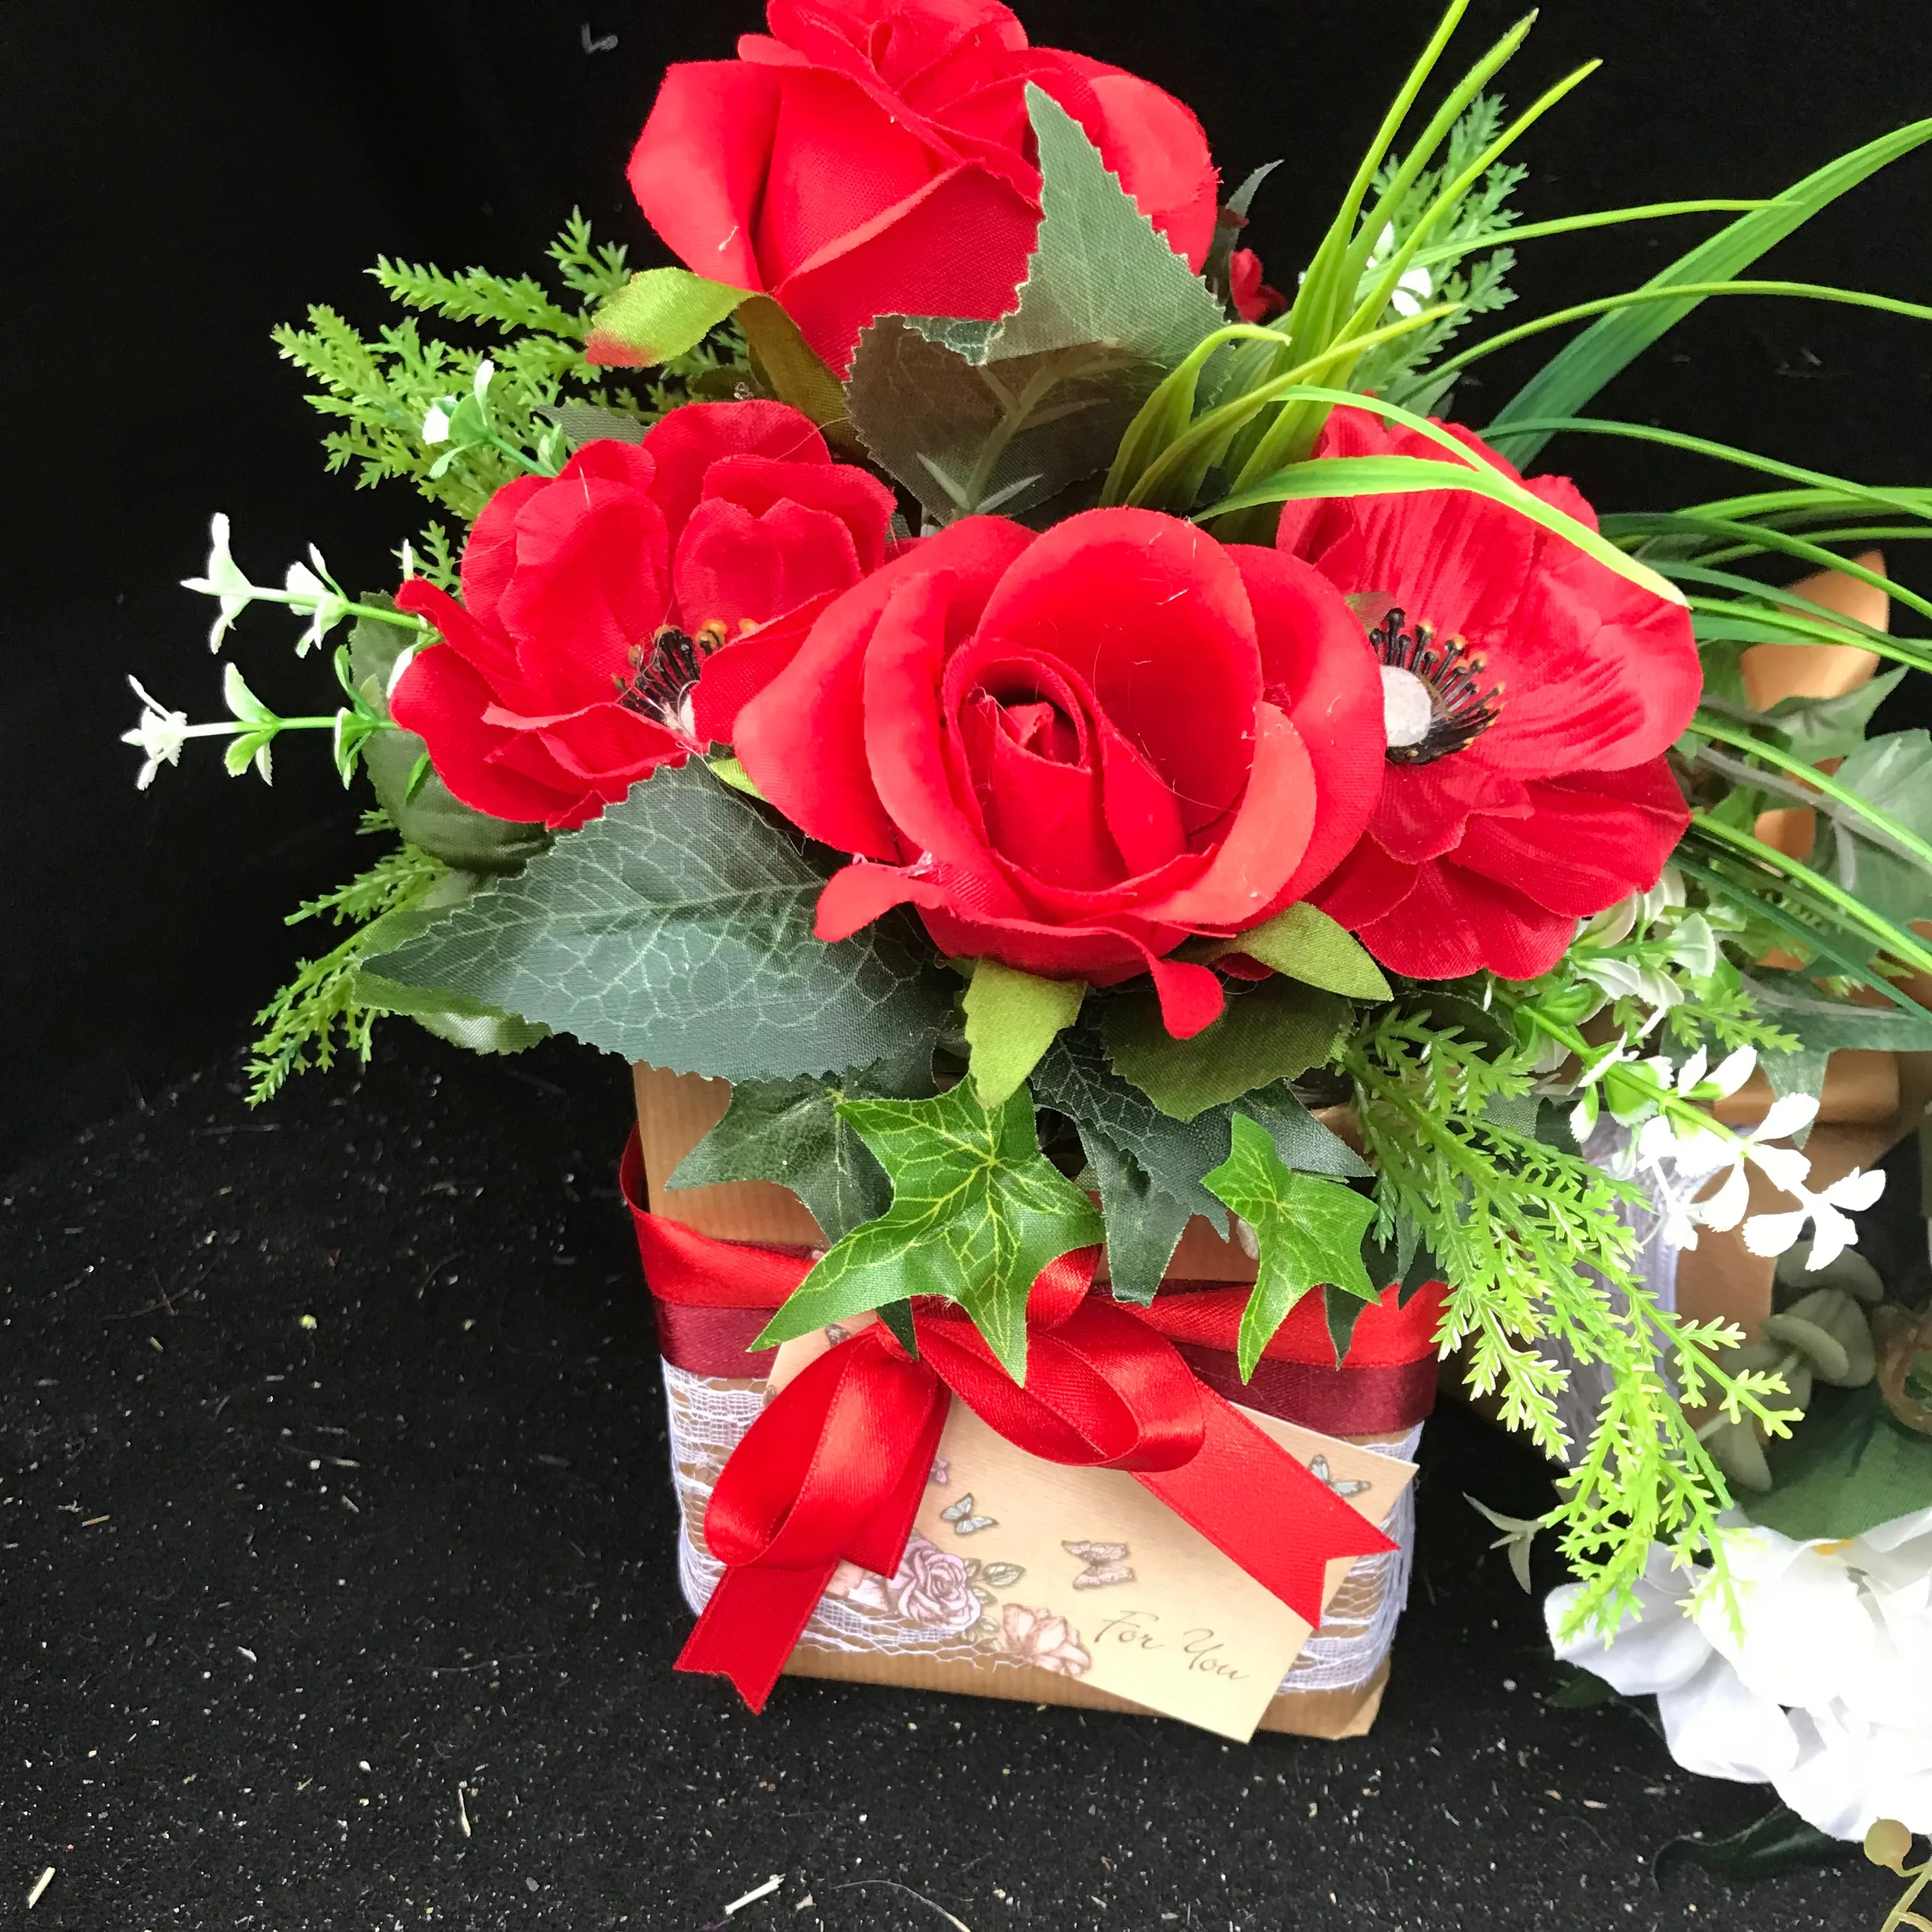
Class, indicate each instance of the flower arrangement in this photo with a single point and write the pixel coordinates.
(1082, 741)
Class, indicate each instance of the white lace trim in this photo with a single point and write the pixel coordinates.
(708, 1416)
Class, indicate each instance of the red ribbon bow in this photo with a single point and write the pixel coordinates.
(833, 1469)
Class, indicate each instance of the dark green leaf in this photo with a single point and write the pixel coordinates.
(1488, 1031)
(455, 1017)
(1270, 1031)
(1578, 1689)
(1307, 945)
(974, 415)
(977, 1212)
(1302, 1140)
(1309, 1233)
(1575, 374)
(1822, 1026)
(1143, 1224)
(1844, 1469)
(591, 422)
(790, 1131)
(788, 366)
(677, 929)
(1780, 1841)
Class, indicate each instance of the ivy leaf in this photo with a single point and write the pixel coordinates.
(977, 1212)
(1144, 1222)
(1817, 728)
(1894, 772)
(1309, 1233)
(677, 929)
(1307, 945)
(1270, 1031)
(790, 1131)
(973, 416)
(1011, 1019)
(656, 317)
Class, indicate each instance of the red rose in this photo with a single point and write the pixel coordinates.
(874, 157)
(1531, 690)
(588, 596)
(1070, 751)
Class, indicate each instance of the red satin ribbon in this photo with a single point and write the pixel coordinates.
(834, 1467)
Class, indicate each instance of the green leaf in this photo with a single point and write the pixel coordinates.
(1832, 727)
(455, 1017)
(1578, 1689)
(1780, 1841)
(591, 422)
(677, 929)
(1307, 945)
(1309, 1233)
(656, 317)
(973, 415)
(1570, 378)
(790, 1131)
(1847, 1467)
(1270, 1031)
(977, 1212)
(1144, 1222)
(1011, 1019)
(790, 368)
(1894, 772)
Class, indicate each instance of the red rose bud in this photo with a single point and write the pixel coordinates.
(1531, 691)
(589, 598)
(1254, 300)
(1070, 751)
(874, 157)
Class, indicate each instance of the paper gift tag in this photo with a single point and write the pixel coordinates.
(1084, 1572)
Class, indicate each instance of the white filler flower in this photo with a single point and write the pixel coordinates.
(1827, 1694)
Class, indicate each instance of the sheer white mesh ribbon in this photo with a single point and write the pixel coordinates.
(708, 1416)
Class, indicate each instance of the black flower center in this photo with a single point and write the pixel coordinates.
(662, 672)
(1435, 698)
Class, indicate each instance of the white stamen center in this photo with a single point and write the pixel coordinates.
(1407, 710)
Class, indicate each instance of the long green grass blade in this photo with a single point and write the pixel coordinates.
(1575, 374)
(1571, 224)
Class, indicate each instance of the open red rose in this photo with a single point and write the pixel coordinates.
(874, 157)
(1070, 751)
(588, 596)
(1531, 691)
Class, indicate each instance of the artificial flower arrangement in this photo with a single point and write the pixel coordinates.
(1111, 770)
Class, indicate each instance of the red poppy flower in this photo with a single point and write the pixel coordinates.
(589, 598)
(874, 157)
(1531, 692)
(1070, 751)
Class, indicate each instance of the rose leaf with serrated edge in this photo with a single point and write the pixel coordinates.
(1309, 1232)
(677, 929)
(790, 1131)
(1307, 945)
(1011, 1018)
(977, 1213)
(1268, 1032)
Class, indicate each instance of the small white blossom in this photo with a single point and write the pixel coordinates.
(486, 371)
(224, 580)
(327, 607)
(159, 733)
(435, 425)
(1416, 286)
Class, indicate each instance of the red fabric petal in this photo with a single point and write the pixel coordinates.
(492, 655)
(1039, 812)
(1155, 617)
(683, 445)
(1156, 148)
(699, 166)
(734, 675)
(1589, 841)
(803, 738)
(1367, 886)
(1455, 922)
(1317, 665)
(490, 555)
(734, 567)
(1424, 809)
(1264, 844)
(856, 497)
(441, 699)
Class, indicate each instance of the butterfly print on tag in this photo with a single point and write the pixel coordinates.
(1106, 1563)
(964, 1522)
(1342, 1486)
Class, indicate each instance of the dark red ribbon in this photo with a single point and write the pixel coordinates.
(834, 1467)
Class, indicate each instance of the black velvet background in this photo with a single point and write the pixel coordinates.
(178, 175)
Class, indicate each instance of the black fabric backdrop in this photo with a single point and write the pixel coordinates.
(178, 178)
